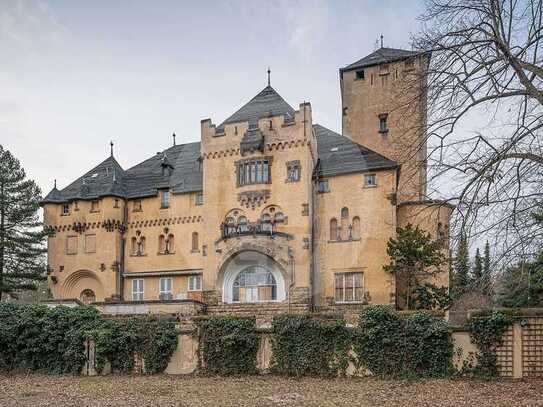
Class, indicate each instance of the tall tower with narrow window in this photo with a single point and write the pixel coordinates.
(384, 108)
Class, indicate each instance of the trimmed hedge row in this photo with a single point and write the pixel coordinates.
(51, 340)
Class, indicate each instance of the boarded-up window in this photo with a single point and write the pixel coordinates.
(90, 243)
(71, 245)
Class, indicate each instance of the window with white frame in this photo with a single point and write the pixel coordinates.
(137, 289)
(324, 186)
(199, 198)
(65, 209)
(349, 287)
(195, 283)
(165, 288)
(370, 180)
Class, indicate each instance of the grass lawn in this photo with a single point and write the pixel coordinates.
(162, 390)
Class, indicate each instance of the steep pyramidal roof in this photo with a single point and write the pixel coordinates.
(382, 55)
(267, 103)
(179, 167)
(340, 155)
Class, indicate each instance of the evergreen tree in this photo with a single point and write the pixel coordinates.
(413, 256)
(461, 268)
(22, 262)
(486, 280)
(477, 279)
(522, 284)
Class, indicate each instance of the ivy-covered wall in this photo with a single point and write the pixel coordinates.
(52, 340)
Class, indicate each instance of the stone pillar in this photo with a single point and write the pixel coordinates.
(517, 350)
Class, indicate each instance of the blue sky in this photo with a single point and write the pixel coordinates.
(75, 75)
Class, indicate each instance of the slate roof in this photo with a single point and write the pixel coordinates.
(266, 104)
(382, 55)
(340, 155)
(179, 167)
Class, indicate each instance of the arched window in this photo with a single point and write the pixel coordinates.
(279, 217)
(243, 225)
(344, 232)
(134, 248)
(356, 228)
(161, 244)
(230, 225)
(87, 296)
(333, 229)
(195, 241)
(169, 244)
(265, 221)
(141, 246)
(254, 284)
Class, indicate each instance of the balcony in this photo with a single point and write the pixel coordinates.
(230, 230)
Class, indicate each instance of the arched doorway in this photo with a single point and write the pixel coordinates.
(87, 296)
(252, 277)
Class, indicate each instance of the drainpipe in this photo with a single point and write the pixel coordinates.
(123, 244)
(292, 274)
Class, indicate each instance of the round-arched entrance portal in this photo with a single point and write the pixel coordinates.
(252, 277)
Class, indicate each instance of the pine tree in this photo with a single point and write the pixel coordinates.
(413, 255)
(461, 268)
(486, 280)
(477, 278)
(22, 262)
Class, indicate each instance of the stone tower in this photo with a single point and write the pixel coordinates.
(384, 108)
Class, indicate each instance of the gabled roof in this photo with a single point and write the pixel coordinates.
(340, 155)
(266, 104)
(382, 55)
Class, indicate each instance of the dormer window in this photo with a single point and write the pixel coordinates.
(164, 199)
(360, 75)
(65, 210)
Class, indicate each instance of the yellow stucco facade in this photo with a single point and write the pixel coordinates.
(267, 208)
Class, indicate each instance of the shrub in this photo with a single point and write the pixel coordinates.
(305, 346)
(228, 345)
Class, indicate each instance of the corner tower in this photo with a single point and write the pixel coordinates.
(384, 108)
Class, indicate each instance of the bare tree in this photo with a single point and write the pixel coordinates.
(485, 115)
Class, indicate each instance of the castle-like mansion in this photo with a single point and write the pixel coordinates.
(268, 208)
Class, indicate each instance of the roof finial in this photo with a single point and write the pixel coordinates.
(111, 147)
(55, 187)
(173, 135)
(269, 72)
(382, 37)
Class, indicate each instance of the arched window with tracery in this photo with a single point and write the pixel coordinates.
(195, 244)
(254, 284)
(279, 217)
(243, 224)
(356, 228)
(344, 231)
(333, 229)
(230, 225)
(266, 224)
(141, 246)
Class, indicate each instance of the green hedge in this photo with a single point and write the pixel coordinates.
(305, 346)
(228, 345)
(51, 340)
(392, 345)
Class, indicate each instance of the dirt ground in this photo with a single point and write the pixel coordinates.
(162, 390)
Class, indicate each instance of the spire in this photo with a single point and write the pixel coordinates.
(382, 37)
(173, 135)
(55, 187)
(111, 147)
(269, 72)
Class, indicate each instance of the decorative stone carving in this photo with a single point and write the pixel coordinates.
(253, 199)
